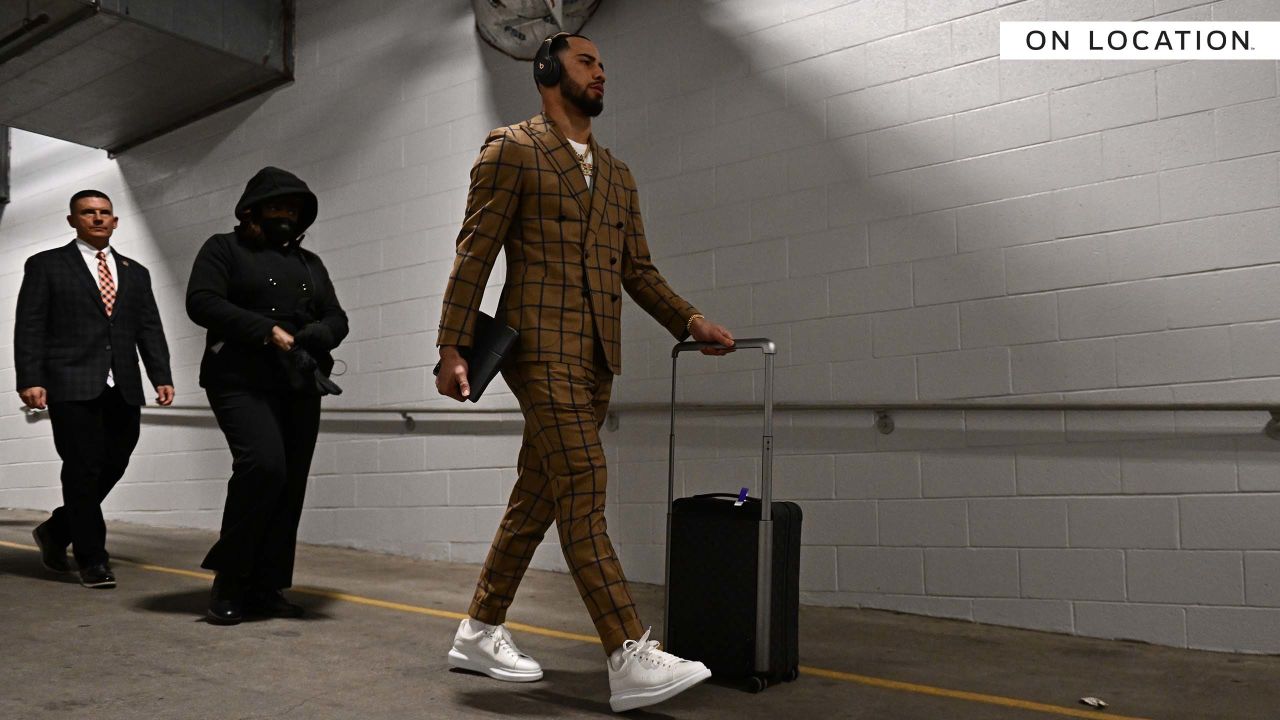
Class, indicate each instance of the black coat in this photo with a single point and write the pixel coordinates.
(64, 341)
(240, 288)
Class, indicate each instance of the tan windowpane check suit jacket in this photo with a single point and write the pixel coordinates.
(570, 252)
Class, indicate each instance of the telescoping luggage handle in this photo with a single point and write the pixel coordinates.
(766, 481)
(764, 557)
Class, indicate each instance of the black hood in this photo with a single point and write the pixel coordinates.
(272, 182)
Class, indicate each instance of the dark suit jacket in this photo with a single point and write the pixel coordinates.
(570, 251)
(64, 341)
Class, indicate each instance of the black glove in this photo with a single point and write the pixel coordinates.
(310, 378)
(299, 369)
(315, 336)
(301, 360)
(325, 386)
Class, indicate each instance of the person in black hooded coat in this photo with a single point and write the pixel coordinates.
(272, 318)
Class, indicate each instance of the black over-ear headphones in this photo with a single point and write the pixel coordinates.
(546, 66)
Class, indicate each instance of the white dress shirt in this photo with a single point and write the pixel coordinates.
(90, 255)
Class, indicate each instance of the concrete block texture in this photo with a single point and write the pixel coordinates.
(1123, 522)
(971, 572)
(1160, 624)
(1072, 574)
(1189, 577)
(1018, 522)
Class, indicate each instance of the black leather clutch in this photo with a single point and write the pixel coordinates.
(492, 342)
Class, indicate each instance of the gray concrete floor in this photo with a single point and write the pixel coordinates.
(143, 651)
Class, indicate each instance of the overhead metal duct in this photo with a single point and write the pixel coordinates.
(115, 73)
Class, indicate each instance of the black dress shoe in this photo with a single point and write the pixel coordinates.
(226, 601)
(97, 575)
(270, 603)
(52, 556)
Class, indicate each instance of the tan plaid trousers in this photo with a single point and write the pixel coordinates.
(562, 478)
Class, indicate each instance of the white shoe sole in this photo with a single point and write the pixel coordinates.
(644, 697)
(462, 662)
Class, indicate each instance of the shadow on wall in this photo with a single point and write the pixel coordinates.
(170, 179)
(737, 142)
(729, 144)
(727, 153)
(361, 82)
(321, 126)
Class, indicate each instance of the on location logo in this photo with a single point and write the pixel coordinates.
(1140, 40)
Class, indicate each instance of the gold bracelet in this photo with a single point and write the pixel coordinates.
(688, 325)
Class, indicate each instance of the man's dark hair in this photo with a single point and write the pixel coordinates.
(86, 194)
(561, 42)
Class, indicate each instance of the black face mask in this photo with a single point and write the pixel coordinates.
(279, 230)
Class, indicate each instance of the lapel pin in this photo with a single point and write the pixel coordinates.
(126, 263)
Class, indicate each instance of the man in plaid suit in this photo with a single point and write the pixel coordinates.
(84, 314)
(568, 216)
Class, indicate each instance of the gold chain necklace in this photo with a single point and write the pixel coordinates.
(588, 169)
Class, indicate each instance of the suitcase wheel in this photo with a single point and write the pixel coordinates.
(792, 675)
(756, 684)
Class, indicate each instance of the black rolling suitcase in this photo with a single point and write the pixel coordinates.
(733, 567)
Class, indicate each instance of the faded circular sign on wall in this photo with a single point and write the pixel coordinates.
(517, 27)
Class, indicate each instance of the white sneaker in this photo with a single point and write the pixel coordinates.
(489, 649)
(640, 674)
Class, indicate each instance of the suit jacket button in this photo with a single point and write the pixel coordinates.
(619, 225)
(561, 218)
(616, 298)
(108, 347)
(613, 261)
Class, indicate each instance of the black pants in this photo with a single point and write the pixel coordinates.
(272, 437)
(94, 438)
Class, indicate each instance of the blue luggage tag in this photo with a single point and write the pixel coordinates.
(742, 497)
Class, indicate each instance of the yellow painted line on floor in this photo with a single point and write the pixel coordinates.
(348, 597)
(18, 546)
(117, 561)
(559, 634)
(169, 570)
(961, 695)
(419, 610)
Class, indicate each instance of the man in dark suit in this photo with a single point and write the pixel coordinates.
(84, 314)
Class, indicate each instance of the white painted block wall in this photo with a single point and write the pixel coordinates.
(866, 183)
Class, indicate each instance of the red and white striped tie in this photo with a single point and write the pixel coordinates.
(106, 283)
